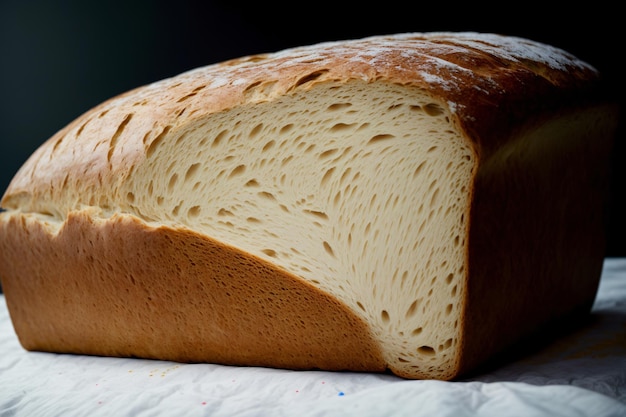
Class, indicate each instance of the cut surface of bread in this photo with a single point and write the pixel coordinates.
(414, 203)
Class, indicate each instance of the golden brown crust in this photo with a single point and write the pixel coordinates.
(118, 287)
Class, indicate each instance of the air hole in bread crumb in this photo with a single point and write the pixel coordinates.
(172, 184)
(384, 316)
(405, 275)
(328, 249)
(269, 145)
(395, 106)
(238, 170)
(337, 199)
(410, 312)
(224, 212)
(191, 171)
(218, 138)
(193, 211)
(339, 106)
(417, 331)
(286, 160)
(419, 169)
(269, 252)
(267, 195)
(252, 183)
(318, 214)
(327, 153)
(449, 278)
(345, 175)
(433, 109)
(380, 138)
(327, 176)
(255, 131)
(130, 197)
(449, 309)
(426, 350)
(338, 127)
(434, 198)
(150, 187)
(358, 303)
(286, 128)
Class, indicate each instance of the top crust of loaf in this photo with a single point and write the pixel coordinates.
(468, 71)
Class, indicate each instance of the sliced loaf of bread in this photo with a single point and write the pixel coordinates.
(415, 203)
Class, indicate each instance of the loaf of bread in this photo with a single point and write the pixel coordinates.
(414, 203)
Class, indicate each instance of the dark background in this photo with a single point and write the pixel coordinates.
(58, 59)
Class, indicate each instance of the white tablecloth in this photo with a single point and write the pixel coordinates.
(580, 374)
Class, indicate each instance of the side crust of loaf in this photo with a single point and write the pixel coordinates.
(538, 233)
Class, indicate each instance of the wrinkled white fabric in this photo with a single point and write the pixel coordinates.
(580, 374)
